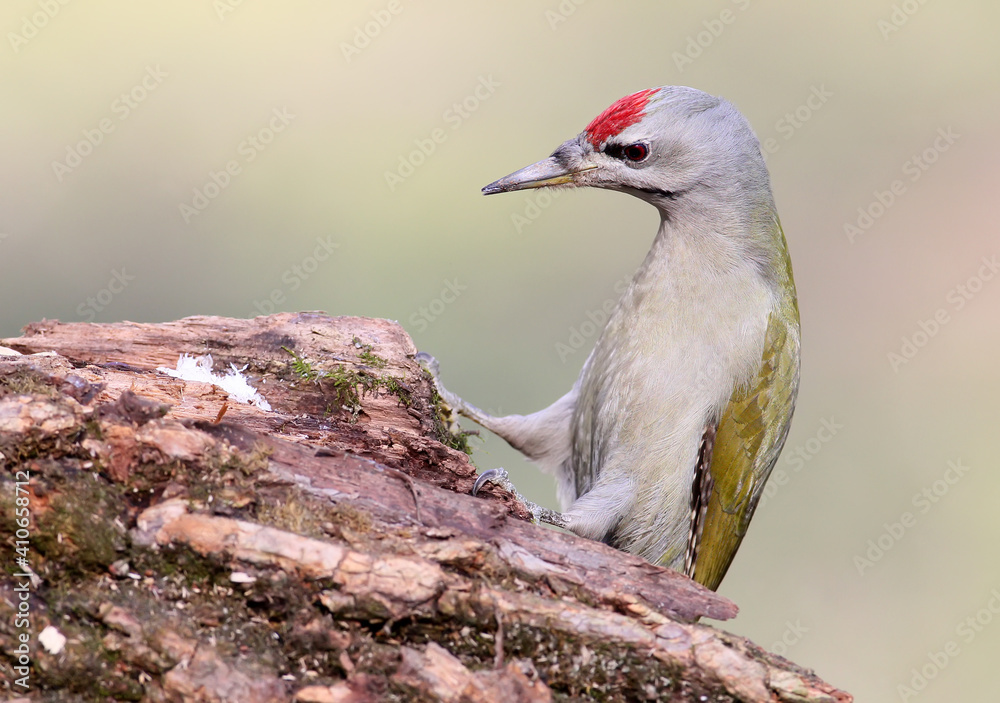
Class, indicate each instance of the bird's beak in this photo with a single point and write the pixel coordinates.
(548, 172)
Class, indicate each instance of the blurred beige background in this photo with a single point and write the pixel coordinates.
(170, 159)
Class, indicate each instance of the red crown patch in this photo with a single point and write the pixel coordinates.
(621, 114)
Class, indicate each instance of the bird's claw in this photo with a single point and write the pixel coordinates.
(501, 478)
(497, 476)
(448, 404)
(429, 363)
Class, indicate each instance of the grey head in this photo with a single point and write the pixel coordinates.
(663, 145)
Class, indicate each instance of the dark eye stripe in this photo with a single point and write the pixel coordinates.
(614, 150)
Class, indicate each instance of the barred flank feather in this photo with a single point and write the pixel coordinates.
(701, 491)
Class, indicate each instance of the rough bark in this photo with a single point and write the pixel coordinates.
(191, 547)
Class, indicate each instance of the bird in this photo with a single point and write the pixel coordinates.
(663, 445)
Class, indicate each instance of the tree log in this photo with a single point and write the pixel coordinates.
(174, 543)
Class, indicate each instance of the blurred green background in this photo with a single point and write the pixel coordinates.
(120, 120)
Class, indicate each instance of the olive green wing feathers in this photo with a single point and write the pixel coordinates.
(748, 439)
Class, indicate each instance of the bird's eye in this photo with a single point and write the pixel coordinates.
(636, 152)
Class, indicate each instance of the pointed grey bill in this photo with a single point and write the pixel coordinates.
(548, 172)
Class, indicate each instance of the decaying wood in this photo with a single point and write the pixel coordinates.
(191, 547)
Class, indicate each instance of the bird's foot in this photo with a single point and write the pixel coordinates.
(430, 365)
(449, 404)
(501, 478)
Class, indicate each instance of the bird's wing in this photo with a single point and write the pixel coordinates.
(748, 438)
